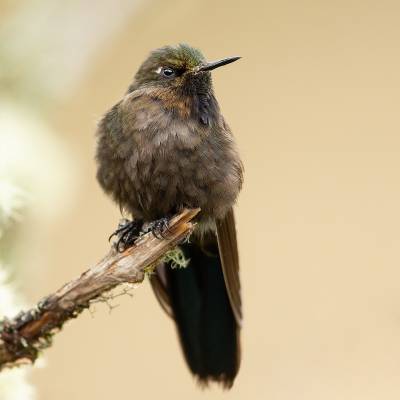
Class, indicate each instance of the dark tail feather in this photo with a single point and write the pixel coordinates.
(203, 314)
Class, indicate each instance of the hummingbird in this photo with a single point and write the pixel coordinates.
(163, 147)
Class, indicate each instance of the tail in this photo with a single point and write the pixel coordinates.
(197, 298)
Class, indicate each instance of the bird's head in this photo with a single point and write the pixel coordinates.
(178, 67)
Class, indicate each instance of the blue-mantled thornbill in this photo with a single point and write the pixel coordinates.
(166, 146)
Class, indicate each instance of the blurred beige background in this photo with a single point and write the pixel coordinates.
(314, 105)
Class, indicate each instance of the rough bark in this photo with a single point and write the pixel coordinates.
(23, 337)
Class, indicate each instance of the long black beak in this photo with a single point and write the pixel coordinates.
(216, 64)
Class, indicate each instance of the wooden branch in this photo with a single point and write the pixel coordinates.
(23, 337)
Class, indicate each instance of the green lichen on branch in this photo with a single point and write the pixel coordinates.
(176, 258)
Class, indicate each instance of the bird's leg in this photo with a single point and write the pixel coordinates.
(159, 227)
(127, 232)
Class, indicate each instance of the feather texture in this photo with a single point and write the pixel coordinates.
(197, 299)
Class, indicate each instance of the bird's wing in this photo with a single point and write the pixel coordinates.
(228, 251)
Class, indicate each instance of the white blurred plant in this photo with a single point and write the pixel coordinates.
(28, 152)
(13, 383)
(45, 49)
(11, 202)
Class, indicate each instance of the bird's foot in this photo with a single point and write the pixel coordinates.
(126, 234)
(159, 228)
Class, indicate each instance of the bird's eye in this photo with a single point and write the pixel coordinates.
(167, 72)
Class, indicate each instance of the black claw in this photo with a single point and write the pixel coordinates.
(159, 228)
(127, 233)
(122, 226)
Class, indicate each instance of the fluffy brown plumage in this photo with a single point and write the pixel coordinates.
(165, 146)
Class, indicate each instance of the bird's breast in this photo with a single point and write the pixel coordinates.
(175, 162)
